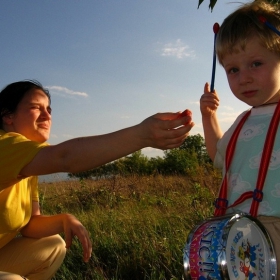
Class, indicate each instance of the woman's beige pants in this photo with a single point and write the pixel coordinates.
(32, 259)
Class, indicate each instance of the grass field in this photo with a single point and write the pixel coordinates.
(138, 225)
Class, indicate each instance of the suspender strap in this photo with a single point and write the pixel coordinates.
(266, 156)
(221, 203)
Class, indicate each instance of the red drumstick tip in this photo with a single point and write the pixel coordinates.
(262, 19)
(216, 27)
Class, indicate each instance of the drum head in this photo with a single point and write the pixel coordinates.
(249, 252)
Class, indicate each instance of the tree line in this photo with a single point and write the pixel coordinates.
(183, 160)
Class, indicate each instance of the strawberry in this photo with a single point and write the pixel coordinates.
(186, 113)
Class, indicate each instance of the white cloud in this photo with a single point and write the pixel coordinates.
(64, 90)
(228, 108)
(195, 102)
(69, 136)
(228, 117)
(177, 49)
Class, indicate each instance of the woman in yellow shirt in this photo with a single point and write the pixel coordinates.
(25, 125)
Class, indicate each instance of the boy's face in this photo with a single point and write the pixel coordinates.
(254, 74)
(32, 117)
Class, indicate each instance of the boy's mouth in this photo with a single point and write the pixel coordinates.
(249, 93)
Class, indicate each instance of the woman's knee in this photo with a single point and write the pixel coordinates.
(50, 251)
(59, 247)
(52, 254)
(10, 276)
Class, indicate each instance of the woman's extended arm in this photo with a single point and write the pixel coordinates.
(162, 131)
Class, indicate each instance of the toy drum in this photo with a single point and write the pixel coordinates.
(234, 246)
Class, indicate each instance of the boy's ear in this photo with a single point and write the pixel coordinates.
(8, 119)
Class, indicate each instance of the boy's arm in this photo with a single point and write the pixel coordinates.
(209, 103)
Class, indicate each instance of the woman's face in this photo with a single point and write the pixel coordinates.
(32, 117)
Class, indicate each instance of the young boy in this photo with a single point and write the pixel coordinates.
(249, 51)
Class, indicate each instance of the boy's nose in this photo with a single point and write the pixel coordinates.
(245, 77)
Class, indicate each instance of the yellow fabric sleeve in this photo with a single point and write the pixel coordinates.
(16, 151)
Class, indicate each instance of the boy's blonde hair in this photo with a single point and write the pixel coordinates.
(244, 23)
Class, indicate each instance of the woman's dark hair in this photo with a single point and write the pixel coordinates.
(13, 93)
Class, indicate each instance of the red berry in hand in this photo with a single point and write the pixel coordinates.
(186, 113)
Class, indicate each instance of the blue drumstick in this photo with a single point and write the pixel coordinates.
(269, 25)
(216, 28)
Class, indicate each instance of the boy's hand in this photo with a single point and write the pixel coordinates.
(209, 102)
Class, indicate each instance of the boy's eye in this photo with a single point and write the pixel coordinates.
(232, 70)
(256, 64)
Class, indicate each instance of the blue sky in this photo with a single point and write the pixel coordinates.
(110, 64)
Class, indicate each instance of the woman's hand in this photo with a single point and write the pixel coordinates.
(73, 227)
(166, 130)
(41, 226)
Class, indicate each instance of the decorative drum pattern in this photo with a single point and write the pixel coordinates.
(235, 246)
